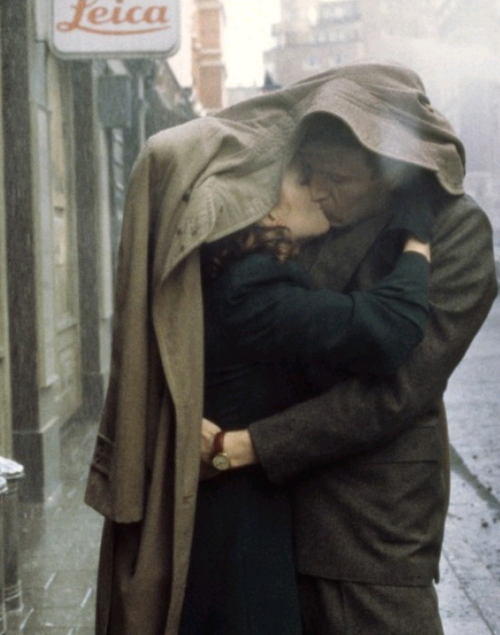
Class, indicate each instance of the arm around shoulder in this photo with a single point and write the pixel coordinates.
(362, 412)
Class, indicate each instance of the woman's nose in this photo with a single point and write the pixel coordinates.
(318, 189)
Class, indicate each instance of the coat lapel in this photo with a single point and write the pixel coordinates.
(334, 259)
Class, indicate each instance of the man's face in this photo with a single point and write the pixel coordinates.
(304, 218)
(342, 183)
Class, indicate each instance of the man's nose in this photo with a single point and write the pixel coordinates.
(318, 188)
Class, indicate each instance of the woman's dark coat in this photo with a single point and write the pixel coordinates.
(201, 181)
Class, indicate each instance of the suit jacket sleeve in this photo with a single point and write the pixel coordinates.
(364, 412)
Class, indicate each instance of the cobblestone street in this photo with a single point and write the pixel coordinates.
(60, 539)
(59, 551)
(470, 588)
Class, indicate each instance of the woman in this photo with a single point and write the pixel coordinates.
(192, 184)
(264, 324)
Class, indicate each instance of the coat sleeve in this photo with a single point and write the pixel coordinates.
(361, 413)
(264, 307)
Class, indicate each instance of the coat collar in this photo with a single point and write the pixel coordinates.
(334, 259)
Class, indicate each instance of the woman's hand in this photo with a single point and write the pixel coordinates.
(413, 244)
(208, 432)
(238, 445)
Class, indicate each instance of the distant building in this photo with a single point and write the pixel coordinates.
(311, 40)
(208, 68)
(235, 94)
(461, 21)
(453, 44)
(241, 93)
(472, 96)
(315, 35)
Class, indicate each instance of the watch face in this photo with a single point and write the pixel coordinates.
(221, 461)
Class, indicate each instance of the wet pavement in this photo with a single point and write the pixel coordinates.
(60, 540)
(470, 588)
(59, 551)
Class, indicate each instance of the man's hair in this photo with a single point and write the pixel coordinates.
(329, 130)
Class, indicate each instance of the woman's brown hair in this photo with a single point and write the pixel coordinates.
(277, 241)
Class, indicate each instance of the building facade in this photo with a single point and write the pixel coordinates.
(72, 131)
(5, 402)
(471, 94)
(313, 37)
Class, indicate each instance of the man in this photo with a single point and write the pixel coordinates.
(369, 458)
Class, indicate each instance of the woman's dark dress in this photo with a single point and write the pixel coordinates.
(265, 326)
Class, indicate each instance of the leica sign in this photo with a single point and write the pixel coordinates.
(111, 28)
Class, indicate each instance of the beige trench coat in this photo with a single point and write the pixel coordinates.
(194, 183)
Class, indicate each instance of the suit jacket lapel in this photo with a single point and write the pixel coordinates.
(333, 259)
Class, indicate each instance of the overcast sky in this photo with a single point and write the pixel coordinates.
(248, 34)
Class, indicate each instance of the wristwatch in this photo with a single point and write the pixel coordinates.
(220, 460)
